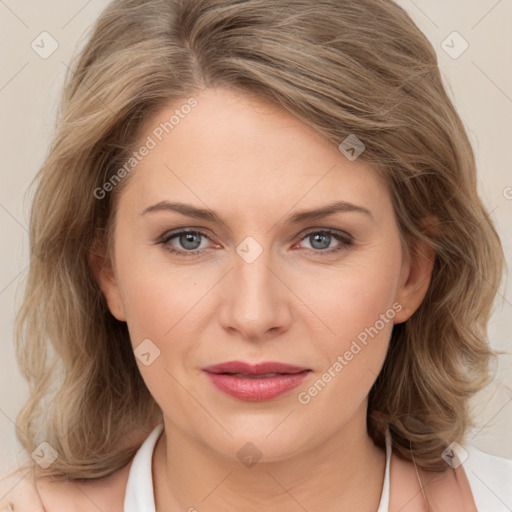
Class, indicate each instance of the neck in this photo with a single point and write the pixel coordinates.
(344, 472)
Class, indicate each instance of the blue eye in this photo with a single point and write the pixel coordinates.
(321, 241)
(190, 242)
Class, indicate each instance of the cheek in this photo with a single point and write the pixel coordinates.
(360, 311)
(362, 303)
(157, 305)
(358, 305)
(161, 305)
(157, 296)
(353, 297)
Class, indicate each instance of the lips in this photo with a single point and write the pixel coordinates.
(256, 383)
(261, 369)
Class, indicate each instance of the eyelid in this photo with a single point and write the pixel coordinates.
(187, 229)
(334, 231)
(168, 235)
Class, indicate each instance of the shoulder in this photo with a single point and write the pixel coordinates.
(412, 488)
(490, 478)
(18, 490)
(25, 494)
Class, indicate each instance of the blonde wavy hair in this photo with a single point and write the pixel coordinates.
(340, 66)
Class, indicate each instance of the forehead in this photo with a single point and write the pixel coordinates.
(252, 153)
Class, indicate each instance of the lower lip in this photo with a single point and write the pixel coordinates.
(257, 390)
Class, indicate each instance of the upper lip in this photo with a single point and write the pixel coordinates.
(253, 369)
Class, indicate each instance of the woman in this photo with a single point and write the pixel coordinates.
(261, 271)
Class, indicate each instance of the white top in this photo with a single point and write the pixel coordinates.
(490, 478)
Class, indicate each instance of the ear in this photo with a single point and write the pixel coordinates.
(104, 275)
(416, 274)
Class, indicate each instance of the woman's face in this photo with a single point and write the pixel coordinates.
(260, 278)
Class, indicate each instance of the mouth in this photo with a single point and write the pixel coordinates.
(249, 376)
(256, 383)
(267, 369)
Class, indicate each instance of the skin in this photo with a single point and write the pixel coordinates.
(290, 305)
(254, 165)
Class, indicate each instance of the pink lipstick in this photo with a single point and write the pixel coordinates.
(256, 383)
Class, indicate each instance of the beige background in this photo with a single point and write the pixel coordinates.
(479, 80)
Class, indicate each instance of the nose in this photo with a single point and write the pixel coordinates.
(256, 301)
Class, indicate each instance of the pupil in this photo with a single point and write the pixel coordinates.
(323, 243)
(187, 240)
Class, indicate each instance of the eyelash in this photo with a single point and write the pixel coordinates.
(340, 236)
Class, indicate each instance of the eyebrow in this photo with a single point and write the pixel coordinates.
(301, 216)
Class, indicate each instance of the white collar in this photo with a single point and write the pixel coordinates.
(139, 495)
